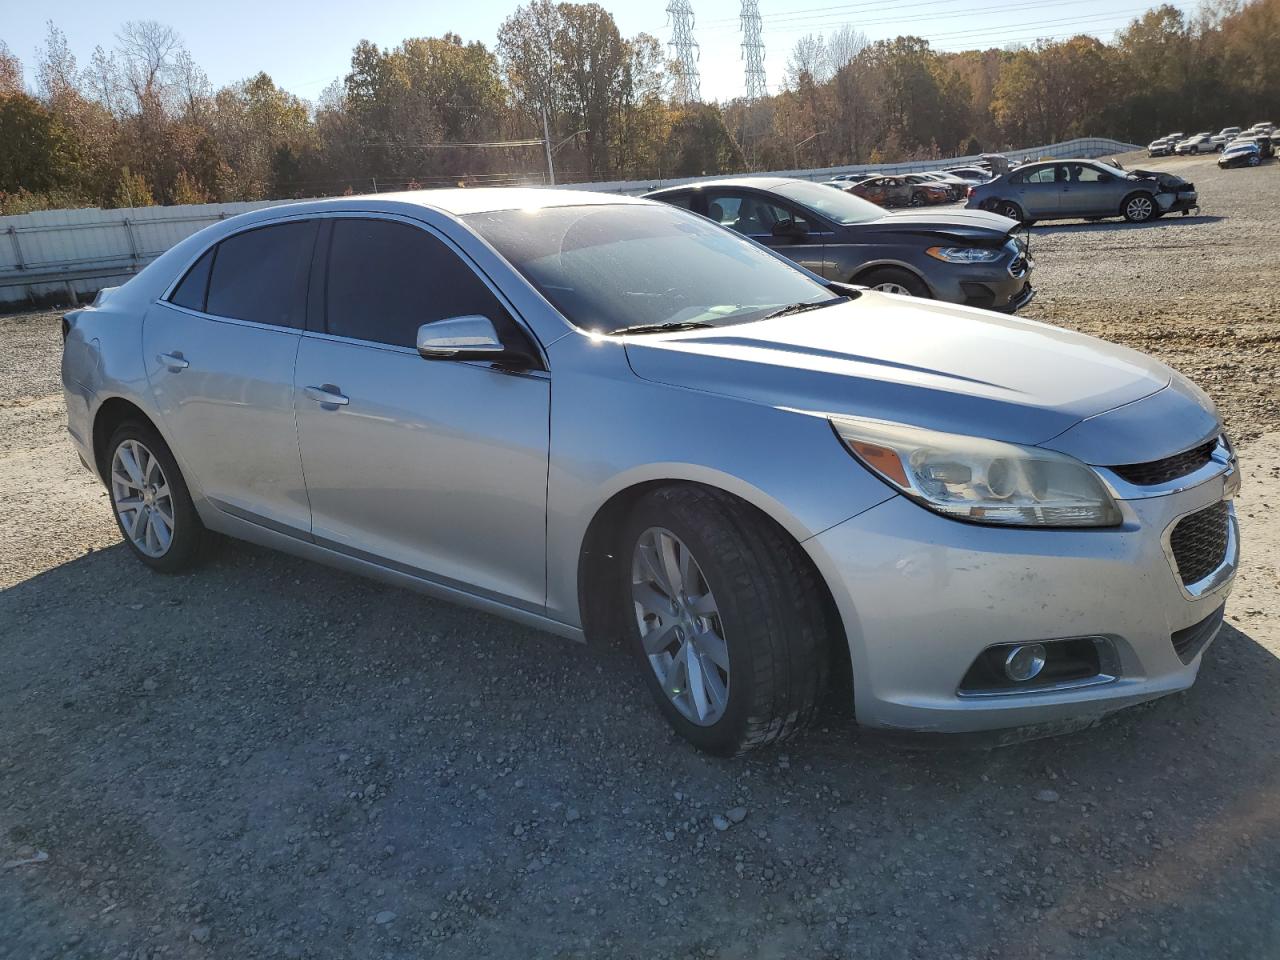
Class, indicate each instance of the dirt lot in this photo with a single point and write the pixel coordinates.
(272, 759)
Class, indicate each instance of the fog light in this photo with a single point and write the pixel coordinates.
(1024, 662)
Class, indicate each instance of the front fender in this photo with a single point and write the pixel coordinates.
(786, 463)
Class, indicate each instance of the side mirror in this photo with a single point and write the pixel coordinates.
(467, 338)
(789, 230)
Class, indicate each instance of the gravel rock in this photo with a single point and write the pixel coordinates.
(201, 934)
(1048, 796)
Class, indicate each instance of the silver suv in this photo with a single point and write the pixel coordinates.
(617, 421)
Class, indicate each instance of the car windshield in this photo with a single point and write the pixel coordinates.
(1114, 171)
(607, 267)
(843, 208)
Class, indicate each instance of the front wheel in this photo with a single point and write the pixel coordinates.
(890, 280)
(727, 617)
(1254, 160)
(1138, 208)
(152, 505)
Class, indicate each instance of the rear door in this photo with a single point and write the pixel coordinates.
(219, 354)
(433, 468)
(756, 214)
(1040, 190)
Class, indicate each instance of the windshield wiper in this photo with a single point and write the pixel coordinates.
(668, 327)
(801, 308)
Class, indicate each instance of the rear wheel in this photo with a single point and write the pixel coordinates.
(727, 617)
(891, 280)
(1138, 207)
(1007, 208)
(1254, 160)
(153, 508)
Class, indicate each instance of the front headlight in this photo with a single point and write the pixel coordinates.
(983, 481)
(964, 254)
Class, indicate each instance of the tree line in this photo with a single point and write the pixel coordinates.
(141, 124)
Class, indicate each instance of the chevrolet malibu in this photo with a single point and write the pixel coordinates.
(614, 420)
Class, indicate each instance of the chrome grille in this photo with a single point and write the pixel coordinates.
(1169, 468)
(1199, 542)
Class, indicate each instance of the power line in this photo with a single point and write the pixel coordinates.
(1122, 14)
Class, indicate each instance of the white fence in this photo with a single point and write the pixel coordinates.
(62, 255)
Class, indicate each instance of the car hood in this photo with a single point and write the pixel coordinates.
(953, 225)
(910, 361)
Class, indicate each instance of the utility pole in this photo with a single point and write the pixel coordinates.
(546, 143)
(753, 49)
(688, 88)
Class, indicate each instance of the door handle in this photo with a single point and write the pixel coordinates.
(173, 362)
(327, 394)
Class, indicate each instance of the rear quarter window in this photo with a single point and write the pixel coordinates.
(194, 287)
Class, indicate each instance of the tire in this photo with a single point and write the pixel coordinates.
(893, 280)
(772, 623)
(1007, 208)
(1138, 207)
(917, 200)
(1254, 160)
(140, 444)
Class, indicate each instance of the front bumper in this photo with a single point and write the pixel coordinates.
(921, 596)
(1002, 286)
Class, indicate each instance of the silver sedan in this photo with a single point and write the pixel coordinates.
(614, 420)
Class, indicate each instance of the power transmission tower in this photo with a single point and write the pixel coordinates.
(753, 49)
(687, 87)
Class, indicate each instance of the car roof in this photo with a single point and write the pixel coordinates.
(760, 183)
(460, 201)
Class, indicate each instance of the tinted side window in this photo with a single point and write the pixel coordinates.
(386, 279)
(1044, 175)
(748, 213)
(261, 275)
(682, 200)
(190, 293)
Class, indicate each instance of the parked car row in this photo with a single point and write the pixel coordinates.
(1204, 142)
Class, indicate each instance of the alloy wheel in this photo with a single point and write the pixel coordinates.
(680, 626)
(1140, 208)
(141, 495)
(890, 287)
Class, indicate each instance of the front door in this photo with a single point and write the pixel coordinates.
(434, 468)
(219, 355)
(765, 220)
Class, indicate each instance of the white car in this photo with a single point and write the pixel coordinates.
(1200, 143)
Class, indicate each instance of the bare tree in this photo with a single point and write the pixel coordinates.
(149, 50)
(808, 60)
(843, 47)
(103, 81)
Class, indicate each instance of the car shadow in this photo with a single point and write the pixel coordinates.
(299, 747)
(1049, 228)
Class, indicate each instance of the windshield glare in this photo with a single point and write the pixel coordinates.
(843, 208)
(610, 266)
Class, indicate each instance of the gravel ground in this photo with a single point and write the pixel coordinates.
(272, 759)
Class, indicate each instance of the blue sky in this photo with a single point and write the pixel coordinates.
(305, 46)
